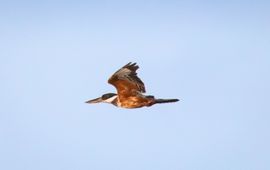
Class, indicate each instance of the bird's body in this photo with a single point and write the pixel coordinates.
(130, 90)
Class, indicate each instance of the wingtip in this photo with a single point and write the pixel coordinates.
(132, 65)
(128, 64)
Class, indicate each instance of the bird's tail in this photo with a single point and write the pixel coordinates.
(166, 100)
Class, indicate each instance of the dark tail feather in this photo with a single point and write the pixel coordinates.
(166, 100)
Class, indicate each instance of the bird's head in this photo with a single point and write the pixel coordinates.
(105, 98)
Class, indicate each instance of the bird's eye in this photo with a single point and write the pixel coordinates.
(104, 96)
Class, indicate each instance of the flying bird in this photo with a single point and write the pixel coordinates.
(130, 89)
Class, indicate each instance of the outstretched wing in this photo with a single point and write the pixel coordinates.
(126, 81)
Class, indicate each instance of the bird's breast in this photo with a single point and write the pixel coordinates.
(134, 102)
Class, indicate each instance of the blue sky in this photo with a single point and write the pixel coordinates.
(213, 56)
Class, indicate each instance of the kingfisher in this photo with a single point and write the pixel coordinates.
(130, 89)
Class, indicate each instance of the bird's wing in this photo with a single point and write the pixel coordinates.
(126, 81)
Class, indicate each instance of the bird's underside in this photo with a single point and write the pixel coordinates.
(130, 89)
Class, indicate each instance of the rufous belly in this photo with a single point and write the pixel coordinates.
(136, 102)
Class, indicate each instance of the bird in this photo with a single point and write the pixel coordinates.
(130, 89)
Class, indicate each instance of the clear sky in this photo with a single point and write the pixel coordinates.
(213, 56)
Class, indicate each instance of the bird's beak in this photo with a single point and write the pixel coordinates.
(97, 100)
